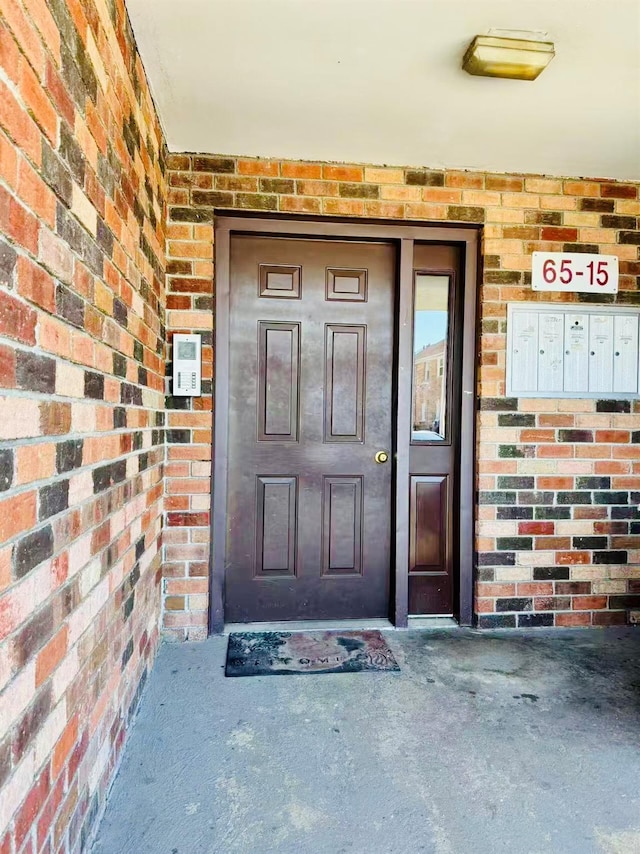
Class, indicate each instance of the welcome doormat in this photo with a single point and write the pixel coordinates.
(281, 653)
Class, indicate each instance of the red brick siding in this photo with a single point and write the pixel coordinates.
(82, 239)
(558, 533)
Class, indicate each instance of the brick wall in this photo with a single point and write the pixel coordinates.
(82, 196)
(558, 532)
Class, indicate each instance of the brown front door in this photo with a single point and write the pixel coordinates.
(310, 405)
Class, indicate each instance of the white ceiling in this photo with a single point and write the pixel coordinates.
(379, 81)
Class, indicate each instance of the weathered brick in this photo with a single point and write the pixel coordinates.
(610, 557)
(6, 468)
(68, 455)
(8, 259)
(539, 497)
(619, 222)
(106, 476)
(32, 550)
(53, 499)
(359, 191)
(529, 621)
(516, 451)
(214, 164)
(552, 513)
(557, 233)
(17, 320)
(119, 365)
(277, 185)
(574, 497)
(128, 652)
(70, 306)
(514, 543)
(629, 237)
(624, 602)
(496, 559)
(120, 312)
(593, 482)
(596, 205)
(93, 385)
(35, 372)
(589, 248)
(55, 418)
(543, 217)
(497, 621)
(613, 406)
(575, 435)
(104, 238)
(515, 482)
(504, 183)
(514, 513)
(514, 603)
(56, 174)
(548, 573)
(499, 404)
(257, 201)
(619, 191)
(36, 285)
(610, 497)
(186, 214)
(423, 178)
(503, 277)
(462, 213)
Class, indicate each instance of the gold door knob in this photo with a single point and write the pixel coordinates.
(381, 457)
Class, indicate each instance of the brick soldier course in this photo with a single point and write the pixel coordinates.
(106, 250)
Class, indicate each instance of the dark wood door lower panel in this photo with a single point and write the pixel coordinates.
(430, 576)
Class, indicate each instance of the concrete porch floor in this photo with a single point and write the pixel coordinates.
(526, 742)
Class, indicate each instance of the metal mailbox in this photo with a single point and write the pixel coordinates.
(568, 351)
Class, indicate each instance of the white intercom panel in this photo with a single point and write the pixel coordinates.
(572, 350)
(187, 366)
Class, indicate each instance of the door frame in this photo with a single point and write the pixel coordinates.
(403, 235)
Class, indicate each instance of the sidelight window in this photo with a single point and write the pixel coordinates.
(430, 357)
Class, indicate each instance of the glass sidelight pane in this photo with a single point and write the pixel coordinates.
(430, 338)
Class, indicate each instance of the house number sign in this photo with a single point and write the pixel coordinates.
(574, 271)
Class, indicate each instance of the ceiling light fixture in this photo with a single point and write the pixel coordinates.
(518, 55)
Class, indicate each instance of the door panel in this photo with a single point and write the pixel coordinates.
(429, 545)
(310, 391)
(276, 521)
(278, 375)
(280, 281)
(342, 526)
(344, 383)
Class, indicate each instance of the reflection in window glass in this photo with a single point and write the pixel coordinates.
(430, 327)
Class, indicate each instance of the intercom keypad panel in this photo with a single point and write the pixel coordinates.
(187, 361)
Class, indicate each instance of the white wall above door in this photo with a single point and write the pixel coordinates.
(380, 81)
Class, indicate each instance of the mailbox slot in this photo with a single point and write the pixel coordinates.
(625, 353)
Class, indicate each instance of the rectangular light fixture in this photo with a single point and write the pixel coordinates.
(497, 56)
